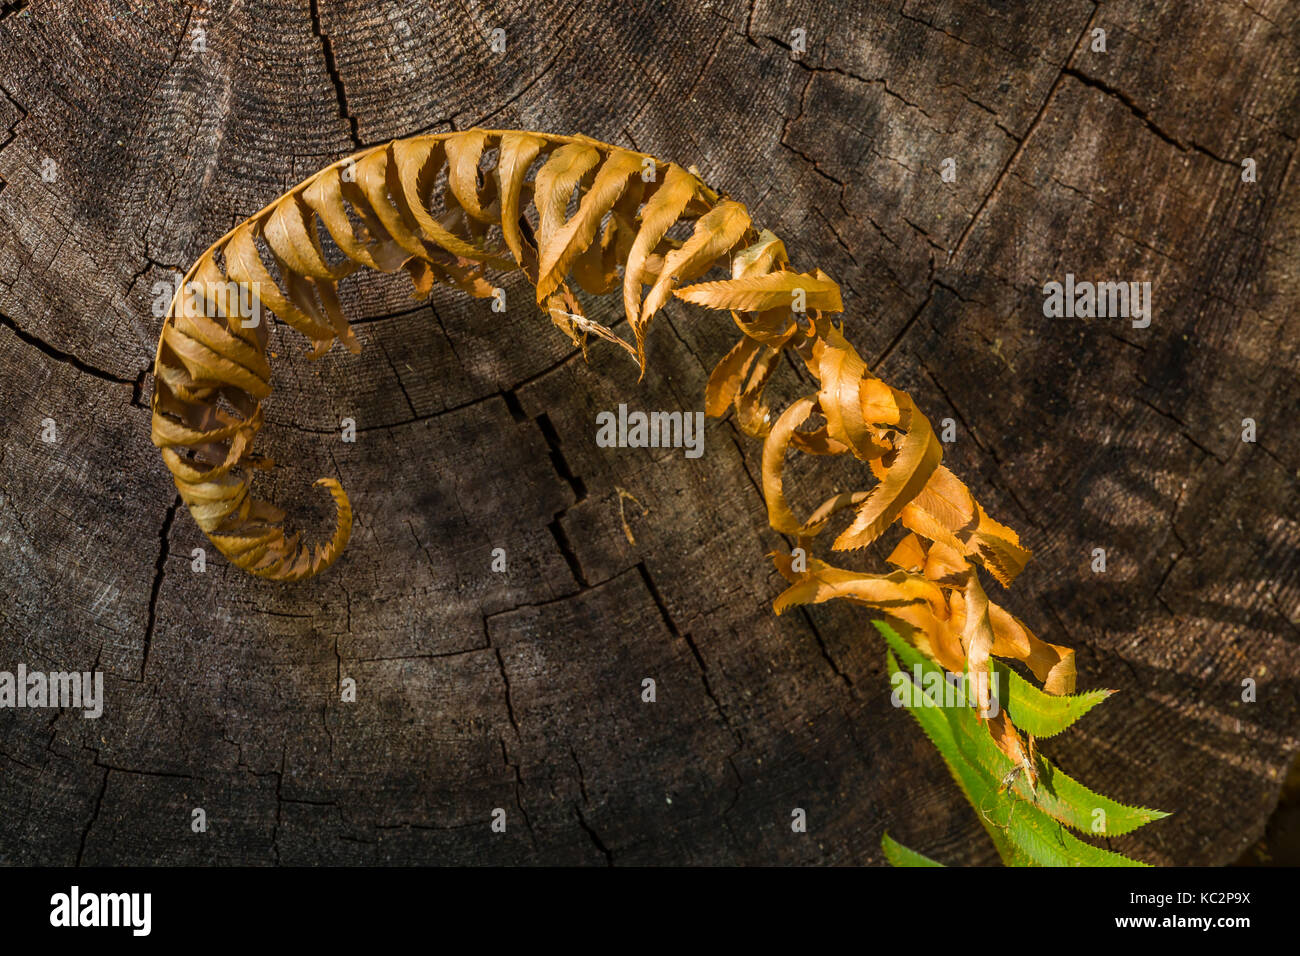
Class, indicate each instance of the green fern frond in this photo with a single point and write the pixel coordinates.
(1028, 826)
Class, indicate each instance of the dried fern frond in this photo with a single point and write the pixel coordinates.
(383, 211)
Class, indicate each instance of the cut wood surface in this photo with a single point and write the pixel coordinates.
(132, 135)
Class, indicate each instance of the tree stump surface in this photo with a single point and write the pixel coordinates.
(522, 690)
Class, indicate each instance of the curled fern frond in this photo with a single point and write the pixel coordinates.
(454, 209)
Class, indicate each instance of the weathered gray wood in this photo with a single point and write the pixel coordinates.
(521, 691)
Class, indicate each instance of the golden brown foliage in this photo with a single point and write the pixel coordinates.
(452, 207)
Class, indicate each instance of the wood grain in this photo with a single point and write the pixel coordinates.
(522, 690)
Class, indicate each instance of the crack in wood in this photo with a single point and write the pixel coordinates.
(331, 68)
